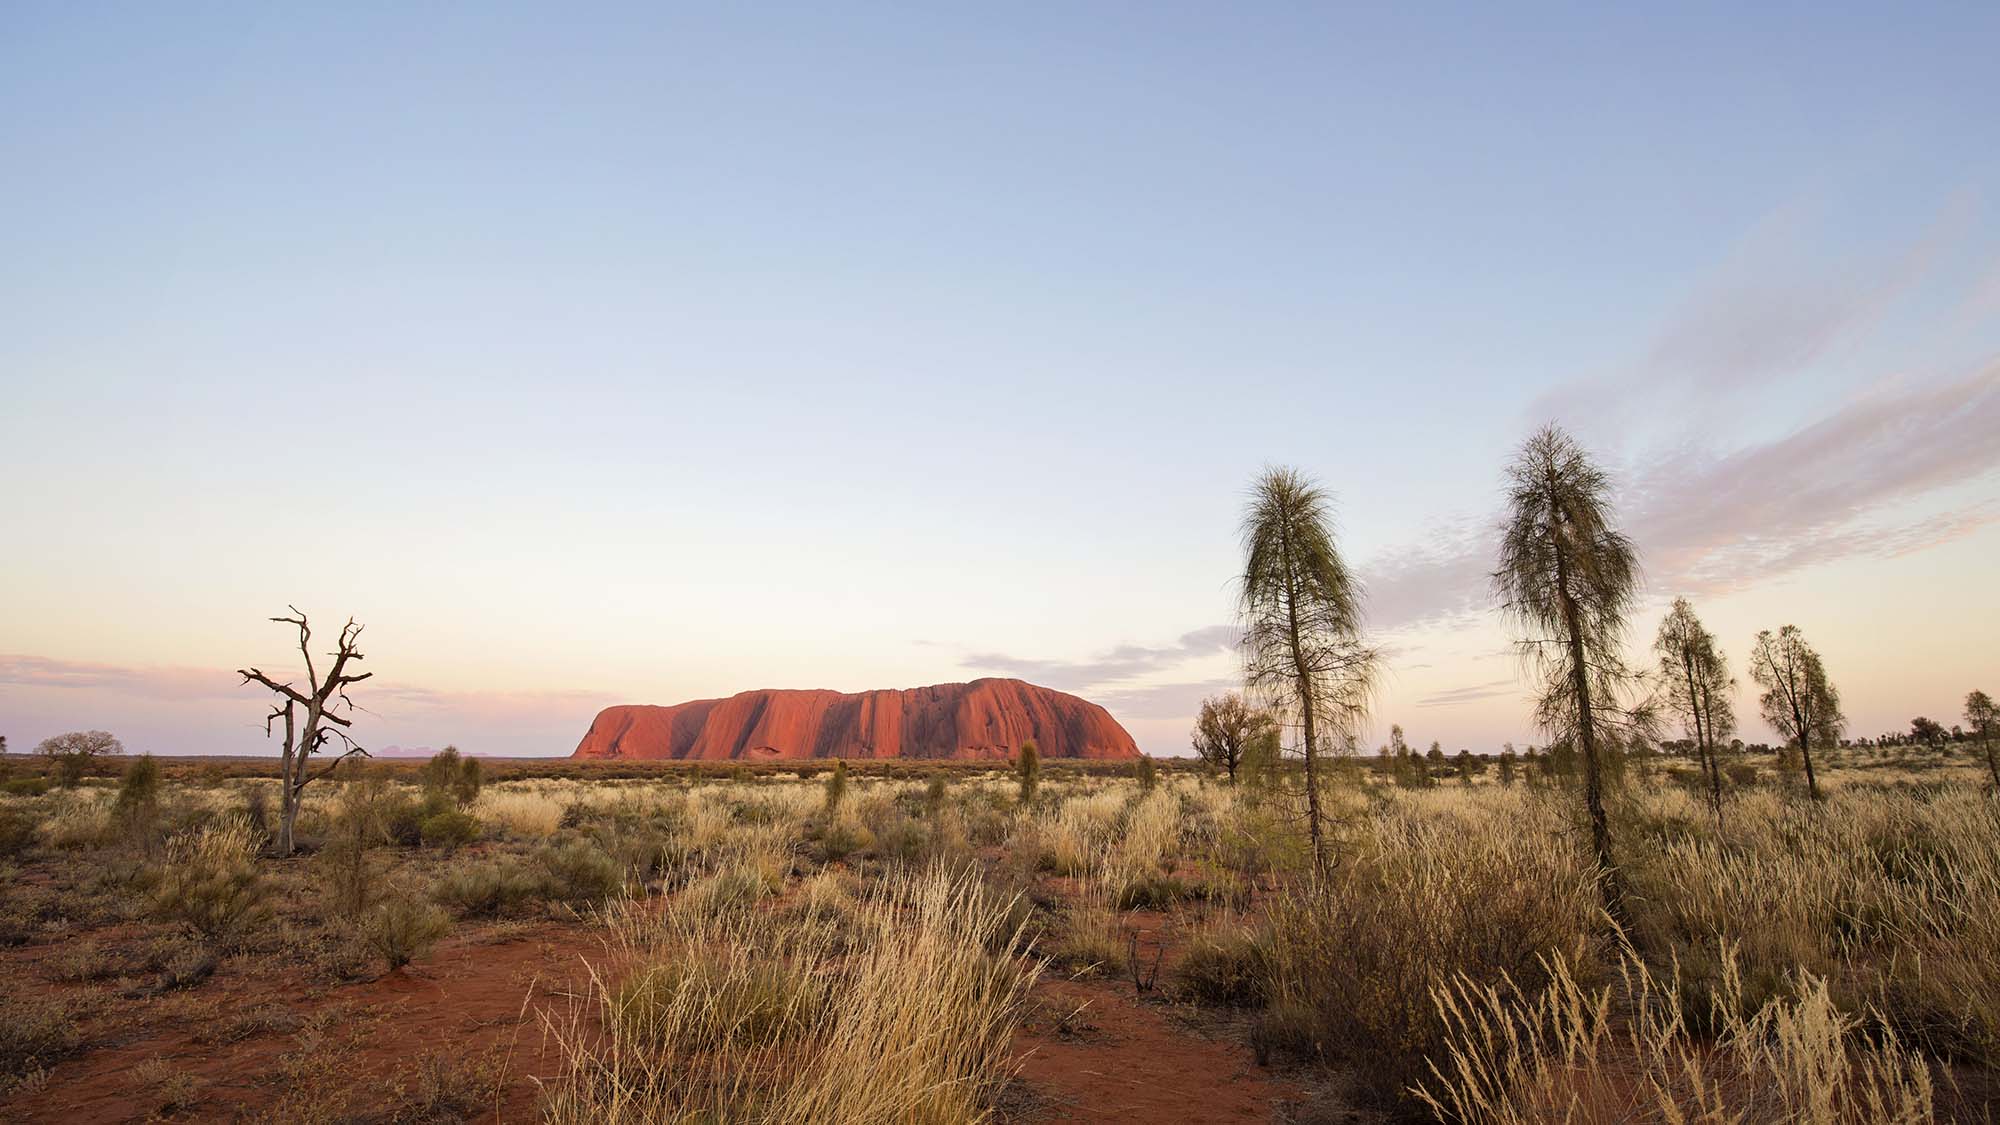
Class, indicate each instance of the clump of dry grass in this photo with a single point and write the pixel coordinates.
(209, 883)
(1427, 893)
(531, 815)
(35, 1031)
(1561, 1053)
(758, 1020)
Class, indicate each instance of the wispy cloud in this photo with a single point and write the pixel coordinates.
(1770, 311)
(1714, 522)
(1818, 493)
(1163, 701)
(150, 682)
(1490, 690)
(1125, 662)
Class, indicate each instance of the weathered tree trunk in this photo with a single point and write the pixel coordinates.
(1586, 733)
(1307, 719)
(300, 745)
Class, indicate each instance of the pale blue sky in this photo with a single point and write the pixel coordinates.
(643, 353)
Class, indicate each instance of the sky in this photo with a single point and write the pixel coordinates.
(599, 354)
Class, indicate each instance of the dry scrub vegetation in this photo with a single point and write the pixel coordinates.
(795, 946)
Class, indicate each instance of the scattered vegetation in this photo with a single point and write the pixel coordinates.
(767, 954)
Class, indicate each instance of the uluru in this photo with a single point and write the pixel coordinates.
(986, 719)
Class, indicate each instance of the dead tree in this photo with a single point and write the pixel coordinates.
(311, 718)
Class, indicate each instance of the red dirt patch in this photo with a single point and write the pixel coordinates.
(1096, 1053)
(468, 998)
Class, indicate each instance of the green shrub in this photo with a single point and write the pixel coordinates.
(448, 776)
(836, 785)
(899, 838)
(1028, 770)
(471, 779)
(840, 839)
(136, 811)
(579, 873)
(1147, 772)
(24, 786)
(489, 889)
(449, 829)
(404, 929)
(403, 818)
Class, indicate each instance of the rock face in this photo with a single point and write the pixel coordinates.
(985, 719)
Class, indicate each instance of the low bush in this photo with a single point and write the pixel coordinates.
(135, 812)
(404, 929)
(732, 890)
(444, 1085)
(1153, 891)
(1224, 965)
(35, 1031)
(579, 873)
(210, 884)
(489, 889)
(841, 838)
(17, 832)
(449, 829)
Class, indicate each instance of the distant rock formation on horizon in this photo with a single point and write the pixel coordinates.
(984, 720)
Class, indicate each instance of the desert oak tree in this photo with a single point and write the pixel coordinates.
(1799, 701)
(1228, 730)
(1696, 677)
(1301, 608)
(312, 717)
(1984, 720)
(1568, 576)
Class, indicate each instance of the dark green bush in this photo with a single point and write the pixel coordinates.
(17, 832)
(1156, 892)
(836, 785)
(449, 829)
(403, 818)
(136, 811)
(451, 777)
